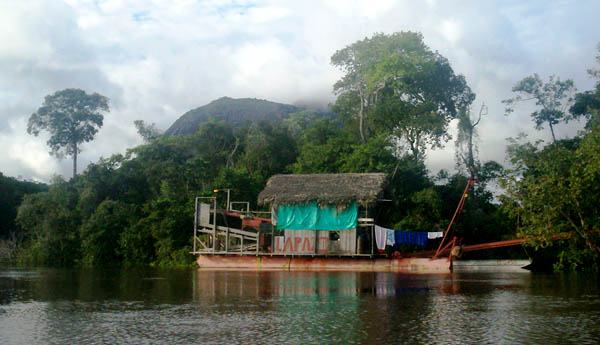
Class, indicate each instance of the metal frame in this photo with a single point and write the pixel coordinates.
(197, 240)
(249, 239)
(230, 206)
(213, 230)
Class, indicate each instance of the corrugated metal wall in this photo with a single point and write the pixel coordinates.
(316, 242)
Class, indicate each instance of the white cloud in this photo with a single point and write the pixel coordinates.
(24, 156)
(261, 15)
(451, 30)
(158, 59)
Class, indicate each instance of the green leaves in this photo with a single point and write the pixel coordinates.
(395, 85)
(552, 99)
(50, 222)
(554, 190)
(72, 117)
(101, 232)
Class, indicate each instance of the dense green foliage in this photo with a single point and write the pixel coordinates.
(12, 192)
(395, 84)
(137, 209)
(553, 190)
(396, 99)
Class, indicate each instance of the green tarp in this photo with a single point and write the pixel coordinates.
(312, 217)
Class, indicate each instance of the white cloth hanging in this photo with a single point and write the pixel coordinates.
(434, 234)
(380, 237)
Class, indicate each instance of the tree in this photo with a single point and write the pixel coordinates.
(148, 132)
(553, 97)
(553, 191)
(72, 117)
(359, 62)
(587, 103)
(12, 192)
(396, 84)
(321, 148)
(269, 150)
(50, 222)
(465, 150)
(101, 232)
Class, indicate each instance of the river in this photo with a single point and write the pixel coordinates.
(151, 306)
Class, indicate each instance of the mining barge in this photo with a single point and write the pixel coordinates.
(316, 222)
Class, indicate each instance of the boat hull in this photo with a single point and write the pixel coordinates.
(266, 262)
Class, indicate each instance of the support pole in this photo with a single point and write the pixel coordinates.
(226, 238)
(195, 223)
(372, 240)
(228, 191)
(214, 234)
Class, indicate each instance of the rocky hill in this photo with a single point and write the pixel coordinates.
(235, 111)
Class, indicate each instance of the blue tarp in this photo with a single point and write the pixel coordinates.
(312, 217)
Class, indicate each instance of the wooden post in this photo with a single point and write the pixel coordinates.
(272, 238)
(372, 240)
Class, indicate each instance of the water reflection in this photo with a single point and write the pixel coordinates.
(187, 306)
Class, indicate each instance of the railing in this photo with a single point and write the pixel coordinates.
(217, 239)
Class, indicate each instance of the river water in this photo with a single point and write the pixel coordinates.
(54, 306)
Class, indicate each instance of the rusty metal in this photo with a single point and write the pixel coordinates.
(515, 242)
(459, 209)
(322, 263)
(489, 245)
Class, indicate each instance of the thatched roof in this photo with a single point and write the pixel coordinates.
(337, 189)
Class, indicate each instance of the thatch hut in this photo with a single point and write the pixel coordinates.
(319, 213)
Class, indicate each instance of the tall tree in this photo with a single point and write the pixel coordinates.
(465, 149)
(553, 99)
(359, 63)
(72, 117)
(395, 83)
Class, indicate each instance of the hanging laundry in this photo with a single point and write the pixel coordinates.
(411, 237)
(390, 240)
(380, 237)
(421, 238)
(435, 234)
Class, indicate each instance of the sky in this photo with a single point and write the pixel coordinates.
(156, 60)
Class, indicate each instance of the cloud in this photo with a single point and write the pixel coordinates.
(23, 156)
(157, 59)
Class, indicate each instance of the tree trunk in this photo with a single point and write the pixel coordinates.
(74, 160)
(471, 159)
(361, 116)
(552, 131)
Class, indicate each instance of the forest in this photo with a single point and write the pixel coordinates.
(396, 100)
